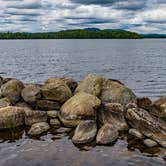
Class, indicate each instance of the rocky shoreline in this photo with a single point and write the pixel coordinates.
(97, 109)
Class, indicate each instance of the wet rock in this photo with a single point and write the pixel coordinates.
(56, 90)
(5, 80)
(80, 107)
(38, 128)
(90, 84)
(150, 143)
(53, 114)
(147, 125)
(4, 102)
(32, 117)
(47, 105)
(136, 133)
(115, 92)
(12, 90)
(85, 132)
(31, 93)
(113, 113)
(55, 122)
(107, 135)
(11, 117)
(144, 102)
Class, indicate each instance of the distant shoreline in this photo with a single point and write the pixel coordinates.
(89, 33)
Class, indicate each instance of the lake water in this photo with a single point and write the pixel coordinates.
(140, 64)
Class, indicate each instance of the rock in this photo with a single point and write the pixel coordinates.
(12, 90)
(147, 125)
(115, 92)
(72, 84)
(144, 103)
(1, 81)
(53, 114)
(24, 105)
(113, 113)
(106, 135)
(159, 109)
(32, 117)
(130, 105)
(63, 130)
(11, 117)
(80, 107)
(5, 80)
(47, 105)
(4, 102)
(136, 133)
(31, 93)
(56, 90)
(90, 84)
(55, 122)
(85, 132)
(150, 143)
(38, 128)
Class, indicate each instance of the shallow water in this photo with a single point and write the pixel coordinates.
(140, 64)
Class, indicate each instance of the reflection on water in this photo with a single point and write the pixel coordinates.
(56, 148)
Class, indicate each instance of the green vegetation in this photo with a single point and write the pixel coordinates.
(73, 34)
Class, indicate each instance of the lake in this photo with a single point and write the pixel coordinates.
(140, 64)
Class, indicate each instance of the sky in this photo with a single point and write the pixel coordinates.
(142, 16)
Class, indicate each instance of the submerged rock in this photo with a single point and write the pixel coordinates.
(85, 132)
(11, 117)
(147, 125)
(47, 105)
(56, 90)
(4, 102)
(12, 90)
(107, 135)
(150, 143)
(113, 113)
(32, 117)
(90, 84)
(38, 128)
(136, 133)
(80, 107)
(31, 93)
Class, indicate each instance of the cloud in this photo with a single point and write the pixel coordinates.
(52, 15)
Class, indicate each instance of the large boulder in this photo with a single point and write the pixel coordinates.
(38, 128)
(107, 134)
(90, 84)
(47, 105)
(115, 92)
(56, 90)
(11, 117)
(108, 90)
(31, 93)
(113, 113)
(12, 90)
(148, 125)
(4, 102)
(80, 107)
(32, 117)
(85, 132)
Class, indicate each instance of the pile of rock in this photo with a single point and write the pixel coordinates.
(98, 109)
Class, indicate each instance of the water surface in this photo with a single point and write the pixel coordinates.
(140, 64)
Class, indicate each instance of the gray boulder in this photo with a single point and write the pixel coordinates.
(85, 132)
